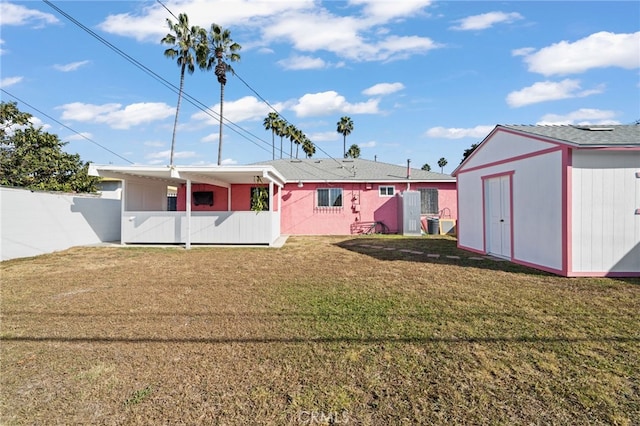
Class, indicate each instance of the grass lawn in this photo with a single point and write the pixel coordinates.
(326, 330)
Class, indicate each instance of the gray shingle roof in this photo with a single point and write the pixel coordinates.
(351, 170)
(587, 136)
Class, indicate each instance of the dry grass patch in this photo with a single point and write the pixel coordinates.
(322, 330)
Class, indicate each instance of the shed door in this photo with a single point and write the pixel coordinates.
(498, 216)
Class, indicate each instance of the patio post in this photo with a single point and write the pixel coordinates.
(188, 236)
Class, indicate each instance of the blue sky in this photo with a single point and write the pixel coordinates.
(421, 80)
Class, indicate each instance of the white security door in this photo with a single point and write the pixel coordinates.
(498, 216)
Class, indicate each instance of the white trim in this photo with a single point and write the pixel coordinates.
(386, 195)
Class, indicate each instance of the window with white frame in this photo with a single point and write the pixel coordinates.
(329, 197)
(386, 191)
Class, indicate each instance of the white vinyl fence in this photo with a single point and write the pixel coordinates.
(34, 223)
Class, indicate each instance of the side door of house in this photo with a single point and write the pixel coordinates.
(498, 216)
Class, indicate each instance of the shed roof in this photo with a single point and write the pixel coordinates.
(587, 135)
(350, 170)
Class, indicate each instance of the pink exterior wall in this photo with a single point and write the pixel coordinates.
(240, 197)
(301, 216)
(219, 197)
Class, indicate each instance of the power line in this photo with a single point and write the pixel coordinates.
(193, 101)
(168, 10)
(258, 95)
(198, 104)
(66, 127)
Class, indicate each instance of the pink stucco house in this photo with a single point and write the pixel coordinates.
(341, 197)
(305, 197)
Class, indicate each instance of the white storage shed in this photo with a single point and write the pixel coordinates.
(563, 199)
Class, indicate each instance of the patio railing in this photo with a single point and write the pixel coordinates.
(235, 227)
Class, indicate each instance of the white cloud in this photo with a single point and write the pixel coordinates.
(305, 24)
(114, 115)
(523, 51)
(458, 133)
(395, 47)
(544, 91)
(70, 67)
(2, 51)
(383, 11)
(166, 155)
(228, 162)
(383, 89)
(599, 50)
(581, 116)
(79, 136)
(370, 144)
(10, 81)
(39, 124)
(485, 20)
(211, 137)
(154, 144)
(149, 24)
(13, 14)
(330, 102)
(325, 136)
(248, 108)
(302, 63)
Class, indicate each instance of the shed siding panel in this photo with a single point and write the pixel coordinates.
(470, 225)
(605, 196)
(537, 210)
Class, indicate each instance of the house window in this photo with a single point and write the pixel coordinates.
(329, 197)
(259, 194)
(203, 198)
(429, 201)
(386, 191)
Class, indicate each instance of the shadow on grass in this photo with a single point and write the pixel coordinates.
(436, 250)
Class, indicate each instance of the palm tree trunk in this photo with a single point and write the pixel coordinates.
(344, 145)
(175, 122)
(281, 147)
(273, 144)
(220, 131)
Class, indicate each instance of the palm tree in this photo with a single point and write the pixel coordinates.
(270, 123)
(345, 126)
(221, 48)
(441, 163)
(354, 151)
(426, 167)
(292, 134)
(187, 44)
(308, 147)
(296, 137)
(284, 132)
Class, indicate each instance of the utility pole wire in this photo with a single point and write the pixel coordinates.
(193, 101)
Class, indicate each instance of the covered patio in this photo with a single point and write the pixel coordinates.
(214, 204)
